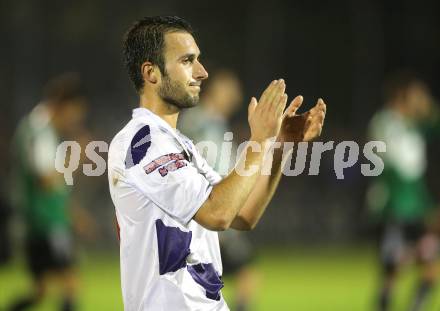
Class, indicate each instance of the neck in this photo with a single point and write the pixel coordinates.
(158, 106)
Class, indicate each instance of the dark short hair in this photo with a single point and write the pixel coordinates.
(144, 41)
(62, 88)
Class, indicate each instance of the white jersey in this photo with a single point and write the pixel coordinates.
(157, 182)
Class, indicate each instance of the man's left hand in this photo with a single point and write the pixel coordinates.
(303, 127)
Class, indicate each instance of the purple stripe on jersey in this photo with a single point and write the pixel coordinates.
(138, 147)
(205, 275)
(173, 246)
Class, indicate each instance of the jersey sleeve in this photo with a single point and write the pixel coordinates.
(211, 175)
(203, 166)
(172, 183)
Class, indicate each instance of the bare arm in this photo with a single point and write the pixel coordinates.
(230, 195)
(260, 196)
(295, 128)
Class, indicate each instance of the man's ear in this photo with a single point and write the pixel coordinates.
(150, 72)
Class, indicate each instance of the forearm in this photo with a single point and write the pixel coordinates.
(261, 195)
(230, 195)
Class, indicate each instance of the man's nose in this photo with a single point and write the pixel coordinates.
(200, 72)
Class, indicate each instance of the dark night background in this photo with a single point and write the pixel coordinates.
(339, 50)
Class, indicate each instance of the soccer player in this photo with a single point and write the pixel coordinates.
(399, 197)
(169, 201)
(41, 193)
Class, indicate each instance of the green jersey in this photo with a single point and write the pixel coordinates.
(400, 193)
(44, 208)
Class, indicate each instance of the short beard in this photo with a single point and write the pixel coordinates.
(174, 93)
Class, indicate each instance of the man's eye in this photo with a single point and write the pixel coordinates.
(187, 61)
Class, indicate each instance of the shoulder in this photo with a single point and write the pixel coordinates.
(140, 141)
(381, 123)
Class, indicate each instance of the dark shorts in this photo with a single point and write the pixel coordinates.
(236, 251)
(401, 240)
(44, 255)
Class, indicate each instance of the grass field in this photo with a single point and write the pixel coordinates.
(297, 279)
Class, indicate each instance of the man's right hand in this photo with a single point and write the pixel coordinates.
(266, 115)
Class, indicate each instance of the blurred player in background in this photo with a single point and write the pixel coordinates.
(399, 198)
(209, 121)
(40, 192)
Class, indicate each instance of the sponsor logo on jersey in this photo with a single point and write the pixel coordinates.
(167, 163)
